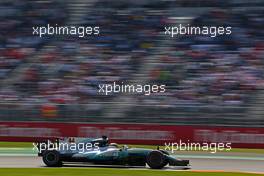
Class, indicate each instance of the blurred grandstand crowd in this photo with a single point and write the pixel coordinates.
(57, 78)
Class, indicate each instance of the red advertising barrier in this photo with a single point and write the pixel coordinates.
(134, 133)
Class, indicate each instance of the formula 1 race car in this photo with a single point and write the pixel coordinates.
(101, 152)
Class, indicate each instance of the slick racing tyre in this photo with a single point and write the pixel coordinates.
(156, 160)
(52, 158)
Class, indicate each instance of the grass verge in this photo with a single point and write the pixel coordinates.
(107, 172)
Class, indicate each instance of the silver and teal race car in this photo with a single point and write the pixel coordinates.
(100, 151)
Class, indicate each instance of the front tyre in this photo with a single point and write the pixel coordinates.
(156, 160)
(52, 158)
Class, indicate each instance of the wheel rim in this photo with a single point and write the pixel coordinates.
(156, 159)
(51, 157)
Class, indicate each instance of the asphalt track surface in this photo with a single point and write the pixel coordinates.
(197, 164)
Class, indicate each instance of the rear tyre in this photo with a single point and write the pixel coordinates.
(156, 160)
(52, 158)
